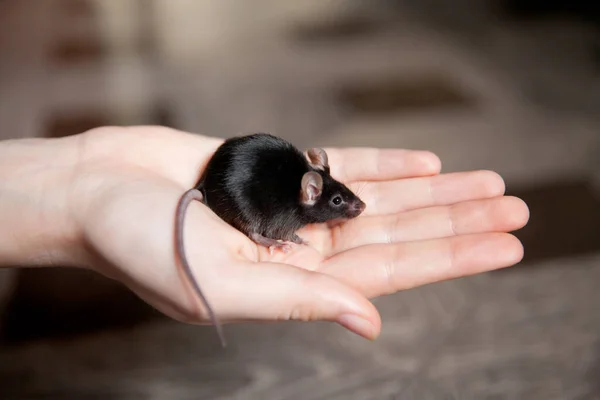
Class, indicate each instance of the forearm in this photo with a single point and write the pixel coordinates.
(36, 228)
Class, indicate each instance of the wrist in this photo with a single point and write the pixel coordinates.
(36, 225)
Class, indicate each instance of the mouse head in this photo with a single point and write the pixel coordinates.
(323, 198)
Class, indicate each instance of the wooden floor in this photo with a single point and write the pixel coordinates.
(479, 93)
(526, 333)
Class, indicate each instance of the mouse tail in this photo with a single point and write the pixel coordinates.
(200, 187)
(186, 199)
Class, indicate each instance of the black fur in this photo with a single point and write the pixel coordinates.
(253, 183)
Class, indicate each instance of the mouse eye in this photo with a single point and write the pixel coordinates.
(337, 200)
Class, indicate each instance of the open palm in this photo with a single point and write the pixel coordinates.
(419, 227)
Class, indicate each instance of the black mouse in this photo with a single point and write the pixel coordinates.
(266, 188)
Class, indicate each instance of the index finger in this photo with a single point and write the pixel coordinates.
(371, 164)
(381, 269)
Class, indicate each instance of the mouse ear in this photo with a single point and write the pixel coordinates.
(318, 158)
(312, 185)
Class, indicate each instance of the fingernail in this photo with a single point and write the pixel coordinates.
(357, 325)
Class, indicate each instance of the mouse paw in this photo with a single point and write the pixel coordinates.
(286, 247)
(271, 244)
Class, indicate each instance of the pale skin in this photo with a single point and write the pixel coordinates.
(105, 200)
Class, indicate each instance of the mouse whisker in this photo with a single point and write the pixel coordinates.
(360, 189)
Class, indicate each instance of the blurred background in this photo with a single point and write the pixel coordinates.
(512, 86)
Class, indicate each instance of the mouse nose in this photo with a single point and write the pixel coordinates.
(358, 206)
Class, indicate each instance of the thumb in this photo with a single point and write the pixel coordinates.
(272, 292)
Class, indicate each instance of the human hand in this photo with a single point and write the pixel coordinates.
(419, 227)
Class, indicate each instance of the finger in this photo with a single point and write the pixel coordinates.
(445, 189)
(381, 269)
(499, 214)
(371, 164)
(276, 292)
